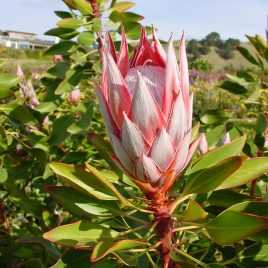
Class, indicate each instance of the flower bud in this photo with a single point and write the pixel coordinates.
(75, 96)
(58, 58)
(203, 145)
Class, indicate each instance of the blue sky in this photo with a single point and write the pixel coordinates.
(230, 18)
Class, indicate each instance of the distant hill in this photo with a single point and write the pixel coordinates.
(237, 62)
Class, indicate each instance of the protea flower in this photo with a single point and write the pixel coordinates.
(147, 110)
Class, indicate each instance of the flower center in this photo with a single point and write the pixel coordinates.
(153, 76)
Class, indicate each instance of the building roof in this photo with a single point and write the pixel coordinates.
(11, 31)
(31, 41)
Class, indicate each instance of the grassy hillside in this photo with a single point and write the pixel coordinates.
(237, 62)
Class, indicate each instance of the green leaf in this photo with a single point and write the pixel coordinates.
(63, 33)
(72, 79)
(214, 134)
(84, 181)
(86, 38)
(5, 93)
(3, 175)
(62, 48)
(104, 179)
(132, 30)
(22, 200)
(80, 258)
(214, 117)
(250, 169)
(259, 44)
(247, 55)
(236, 79)
(80, 204)
(238, 222)
(31, 263)
(262, 123)
(252, 207)
(195, 131)
(226, 198)
(83, 6)
(79, 234)
(116, 16)
(81, 127)
(50, 248)
(96, 26)
(261, 237)
(121, 6)
(104, 149)
(253, 256)
(18, 113)
(70, 23)
(8, 81)
(193, 212)
(233, 87)
(59, 70)
(254, 95)
(46, 107)
(63, 14)
(106, 247)
(59, 129)
(210, 178)
(215, 156)
(127, 259)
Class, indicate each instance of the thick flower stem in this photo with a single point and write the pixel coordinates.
(164, 233)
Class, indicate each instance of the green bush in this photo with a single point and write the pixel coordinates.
(201, 65)
(22, 53)
(13, 53)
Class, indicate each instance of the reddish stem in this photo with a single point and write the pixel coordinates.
(164, 232)
(164, 228)
(96, 14)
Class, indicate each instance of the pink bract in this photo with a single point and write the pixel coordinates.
(147, 109)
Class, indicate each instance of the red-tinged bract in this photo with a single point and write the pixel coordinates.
(147, 109)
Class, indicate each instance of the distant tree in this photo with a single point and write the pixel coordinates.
(193, 48)
(192, 45)
(226, 49)
(226, 53)
(213, 39)
(204, 48)
(232, 43)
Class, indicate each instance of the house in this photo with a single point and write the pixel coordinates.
(23, 40)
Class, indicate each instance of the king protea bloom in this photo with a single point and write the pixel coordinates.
(147, 110)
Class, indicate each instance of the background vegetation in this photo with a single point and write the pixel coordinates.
(36, 206)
